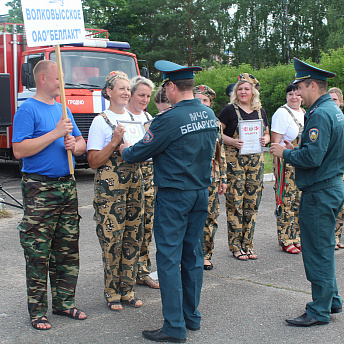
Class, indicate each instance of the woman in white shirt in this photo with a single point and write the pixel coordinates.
(118, 199)
(287, 124)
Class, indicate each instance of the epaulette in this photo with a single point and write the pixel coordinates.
(163, 111)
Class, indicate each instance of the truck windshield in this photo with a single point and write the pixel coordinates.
(90, 68)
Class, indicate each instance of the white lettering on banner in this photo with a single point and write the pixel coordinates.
(188, 128)
(76, 102)
(198, 115)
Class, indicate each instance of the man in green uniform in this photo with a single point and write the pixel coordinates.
(181, 141)
(319, 166)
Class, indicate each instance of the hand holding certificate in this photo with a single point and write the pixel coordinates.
(251, 132)
(134, 131)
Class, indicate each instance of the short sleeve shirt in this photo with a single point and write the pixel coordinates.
(229, 118)
(283, 123)
(34, 119)
(100, 133)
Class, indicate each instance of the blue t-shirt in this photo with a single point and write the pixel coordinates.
(34, 119)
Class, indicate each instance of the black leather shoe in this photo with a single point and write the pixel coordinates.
(209, 267)
(159, 336)
(337, 310)
(193, 328)
(305, 320)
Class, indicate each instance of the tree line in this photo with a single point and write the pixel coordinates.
(257, 32)
(273, 80)
(225, 37)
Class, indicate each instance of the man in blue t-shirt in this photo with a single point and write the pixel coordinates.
(49, 230)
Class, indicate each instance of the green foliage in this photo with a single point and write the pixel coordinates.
(15, 14)
(266, 32)
(151, 108)
(112, 15)
(174, 30)
(273, 81)
(268, 163)
(335, 22)
(334, 62)
(261, 33)
(264, 35)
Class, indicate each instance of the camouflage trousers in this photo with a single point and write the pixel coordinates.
(211, 226)
(244, 192)
(49, 235)
(288, 228)
(144, 268)
(118, 205)
(339, 225)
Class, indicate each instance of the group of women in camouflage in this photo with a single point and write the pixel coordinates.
(124, 193)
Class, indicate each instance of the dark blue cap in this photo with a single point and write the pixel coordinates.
(230, 89)
(173, 71)
(306, 71)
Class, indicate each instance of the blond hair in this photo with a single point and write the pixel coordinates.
(110, 81)
(338, 92)
(255, 101)
(140, 80)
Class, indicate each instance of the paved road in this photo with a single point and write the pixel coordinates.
(242, 302)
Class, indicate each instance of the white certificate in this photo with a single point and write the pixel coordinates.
(134, 131)
(250, 132)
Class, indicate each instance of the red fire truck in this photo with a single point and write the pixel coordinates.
(85, 66)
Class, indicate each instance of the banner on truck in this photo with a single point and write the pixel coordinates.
(53, 22)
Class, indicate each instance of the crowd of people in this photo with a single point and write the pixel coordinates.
(167, 184)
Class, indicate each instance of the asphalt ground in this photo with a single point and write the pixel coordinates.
(242, 301)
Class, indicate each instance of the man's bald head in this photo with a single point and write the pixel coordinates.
(41, 68)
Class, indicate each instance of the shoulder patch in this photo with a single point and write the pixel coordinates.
(148, 137)
(313, 134)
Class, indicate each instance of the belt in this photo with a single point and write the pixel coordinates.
(324, 184)
(43, 178)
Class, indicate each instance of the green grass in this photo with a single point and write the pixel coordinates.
(268, 163)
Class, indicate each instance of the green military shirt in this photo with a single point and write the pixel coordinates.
(320, 155)
(181, 142)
